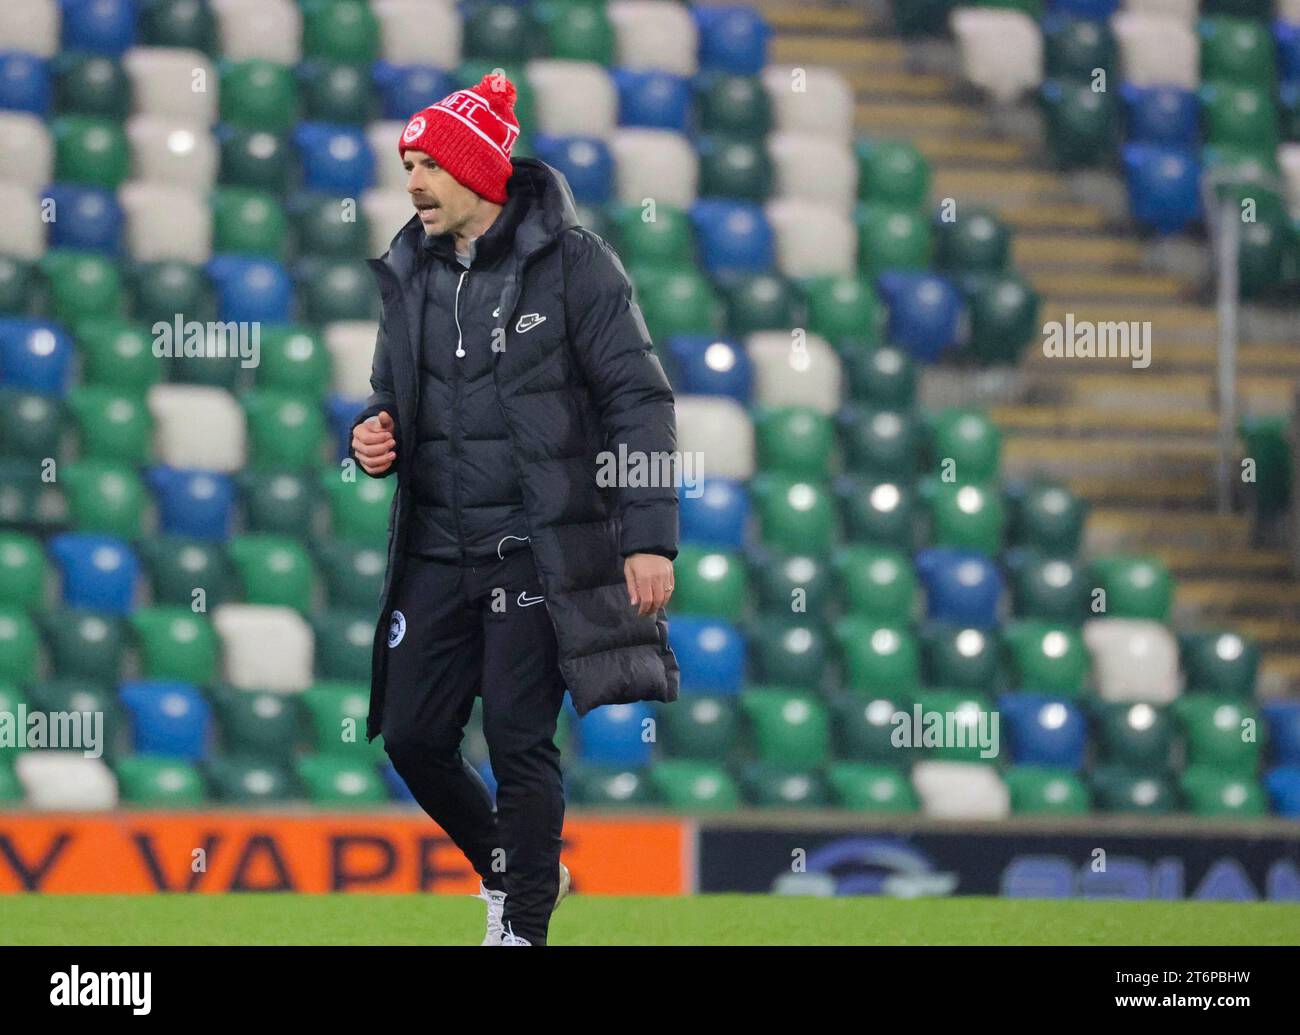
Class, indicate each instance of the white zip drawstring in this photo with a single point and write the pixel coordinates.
(460, 348)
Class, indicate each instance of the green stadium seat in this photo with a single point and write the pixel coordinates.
(879, 582)
(17, 285)
(19, 645)
(794, 440)
(794, 583)
(497, 31)
(1136, 587)
(1075, 47)
(117, 355)
(1212, 793)
(882, 376)
(1083, 124)
(256, 159)
(90, 150)
(700, 726)
(846, 312)
(160, 290)
(176, 643)
(1003, 315)
(575, 30)
(1047, 517)
(956, 657)
(111, 424)
(248, 222)
(330, 290)
(966, 516)
(1136, 736)
(660, 236)
(970, 440)
(337, 711)
(882, 443)
(178, 23)
(105, 496)
(709, 582)
(735, 167)
(151, 781)
(879, 512)
(768, 785)
(865, 723)
(963, 711)
(91, 86)
(294, 359)
(1116, 789)
(259, 95)
(340, 30)
(344, 643)
(84, 695)
(608, 787)
(1222, 663)
(795, 514)
(237, 780)
(1237, 50)
(22, 571)
(1046, 658)
(976, 241)
(892, 237)
(878, 658)
(892, 172)
(354, 575)
(1239, 117)
(676, 301)
(25, 500)
(285, 430)
(1221, 733)
(789, 650)
(359, 508)
(340, 781)
(30, 425)
(758, 302)
(81, 285)
(1265, 440)
(787, 727)
(1048, 588)
(1046, 792)
(330, 227)
(734, 104)
(257, 723)
(84, 644)
(178, 566)
(870, 788)
(11, 791)
(273, 570)
(340, 94)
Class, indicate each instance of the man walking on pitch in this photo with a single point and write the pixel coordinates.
(510, 358)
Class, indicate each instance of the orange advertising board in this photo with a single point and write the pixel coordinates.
(198, 852)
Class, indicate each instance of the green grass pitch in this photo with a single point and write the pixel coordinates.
(598, 920)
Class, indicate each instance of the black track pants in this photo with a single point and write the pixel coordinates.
(458, 631)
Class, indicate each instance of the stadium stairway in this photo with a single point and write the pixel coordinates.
(1139, 444)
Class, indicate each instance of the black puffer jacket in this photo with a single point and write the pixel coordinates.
(574, 379)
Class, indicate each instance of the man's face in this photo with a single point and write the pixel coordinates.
(443, 204)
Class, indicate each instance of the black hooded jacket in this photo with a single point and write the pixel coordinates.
(560, 374)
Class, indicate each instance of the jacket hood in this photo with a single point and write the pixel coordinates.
(539, 207)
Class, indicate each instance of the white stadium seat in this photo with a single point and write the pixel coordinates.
(351, 345)
(812, 238)
(1184, 10)
(172, 151)
(22, 231)
(31, 26)
(382, 138)
(173, 82)
(1157, 51)
(987, 39)
(1288, 11)
(814, 167)
(166, 223)
(198, 426)
(795, 368)
(419, 32)
(718, 429)
(1133, 660)
(961, 790)
(65, 781)
(653, 34)
(267, 29)
(810, 99)
(573, 98)
(265, 648)
(386, 211)
(1288, 157)
(26, 150)
(654, 163)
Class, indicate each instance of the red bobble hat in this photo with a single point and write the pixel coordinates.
(470, 134)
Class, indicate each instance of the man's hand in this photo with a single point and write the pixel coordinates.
(374, 445)
(649, 581)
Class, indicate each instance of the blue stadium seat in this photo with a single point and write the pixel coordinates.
(962, 587)
(925, 312)
(86, 218)
(24, 82)
(335, 159)
(717, 516)
(585, 161)
(733, 236)
(340, 412)
(1044, 730)
(199, 504)
(99, 572)
(168, 718)
(1096, 10)
(1287, 35)
(35, 355)
(613, 735)
(251, 289)
(649, 97)
(1283, 785)
(100, 26)
(711, 654)
(1165, 115)
(406, 89)
(732, 39)
(1163, 186)
(1282, 731)
(712, 366)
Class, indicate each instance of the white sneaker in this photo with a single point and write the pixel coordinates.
(496, 904)
(565, 881)
(510, 938)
